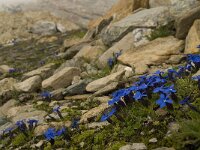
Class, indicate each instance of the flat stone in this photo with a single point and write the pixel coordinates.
(90, 52)
(44, 71)
(29, 85)
(92, 113)
(78, 97)
(155, 52)
(76, 89)
(102, 82)
(138, 146)
(184, 22)
(61, 79)
(146, 18)
(108, 88)
(164, 148)
(95, 125)
(193, 38)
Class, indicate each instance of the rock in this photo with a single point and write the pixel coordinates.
(69, 42)
(77, 97)
(5, 68)
(24, 97)
(61, 79)
(72, 51)
(155, 52)
(164, 148)
(175, 59)
(193, 38)
(61, 28)
(153, 140)
(146, 18)
(108, 88)
(25, 112)
(6, 89)
(126, 147)
(123, 45)
(44, 72)
(57, 94)
(44, 28)
(90, 52)
(92, 113)
(9, 104)
(76, 79)
(185, 21)
(118, 11)
(76, 89)
(102, 82)
(95, 125)
(29, 85)
(40, 129)
(174, 127)
(176, 6)
(39, 144)
(196, 74)
(134, 146)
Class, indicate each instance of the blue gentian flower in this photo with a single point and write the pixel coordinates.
(21, 125)
(108, 115)
(32, 123)
(110, 62)
(46, 95)
(50, 134)
(75, 123)
(172, 74)
(118, 95)
(57, 110)
(12, 70)
(185, 101)
(164, 100)
(61, 131)
(8, 130)
(138, 95)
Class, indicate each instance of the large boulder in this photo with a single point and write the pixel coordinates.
(155, 52)
(120, 10)
(146, 18)
(184, 22)
(102, 82)
(31, 84)
(193, 38)
(62, 78)
(176, 6)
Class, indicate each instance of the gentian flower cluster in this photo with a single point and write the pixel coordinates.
(52, 133)
(46, 95)
(147, 85)
(113, 60)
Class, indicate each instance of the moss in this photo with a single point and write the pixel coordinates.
(48, 147)
(116, 145)
(162, 31)
(19, 140)
(86, 136)
(44, 106)
(72, 113)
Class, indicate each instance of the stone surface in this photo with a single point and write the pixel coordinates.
(9, 104)
(123, 45)
(102, 82)
(153, 140)
(43, 72)
(176, 6)
(164, 148)
(95, 125)
(143, 19)
(76, 89)
(120, 10)
(90, 52)
(61, 79)
(29, 85)
(92, 113)
(4, 68)
(108, 88)
(155, 52)
(185, 21)
(25, 112)
(134, 146)
(6, 89)
(193, 38)
(57, 94)
(77, 97)
(44, 28)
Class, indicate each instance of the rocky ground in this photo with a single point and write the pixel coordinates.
(62, 87)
